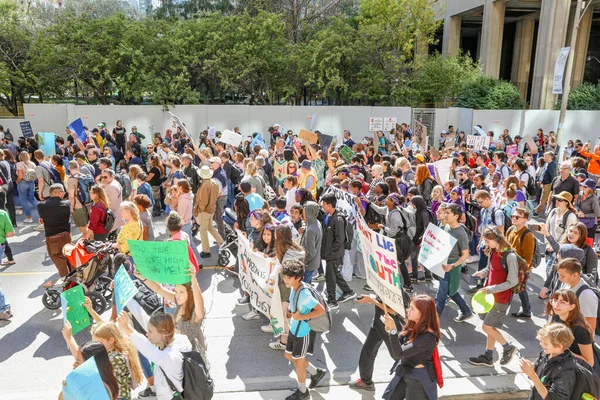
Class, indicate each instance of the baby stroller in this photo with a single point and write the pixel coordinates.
(92, 267)
(229, 246)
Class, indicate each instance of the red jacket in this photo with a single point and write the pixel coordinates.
(496, 276)
(97, 219)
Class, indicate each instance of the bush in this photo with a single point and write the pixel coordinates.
(487, 93)
(585, 97)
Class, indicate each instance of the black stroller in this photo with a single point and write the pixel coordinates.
(229, 246)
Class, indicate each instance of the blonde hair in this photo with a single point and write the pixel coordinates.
(107, 331)
(558, 334)
(24, 157)
(132, 208)
(440, 197)
(251, 168)
(134, 171)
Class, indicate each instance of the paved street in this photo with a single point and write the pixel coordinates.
(34, 358)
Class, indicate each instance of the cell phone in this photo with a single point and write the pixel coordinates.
(535, 227)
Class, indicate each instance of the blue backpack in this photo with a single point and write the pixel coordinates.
(84, 184)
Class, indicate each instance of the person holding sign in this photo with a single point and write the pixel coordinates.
(502, 275)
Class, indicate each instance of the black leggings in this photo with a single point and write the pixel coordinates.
(8, 252)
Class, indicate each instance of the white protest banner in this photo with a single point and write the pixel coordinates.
(346, 202)
(559, 70)
(375, 124)
(389, 123)
(259, 278)
(230, 137)
(212, 132)
(443, 168)
(435, 249)
(177, 123)
(383, 272)
(478, 142)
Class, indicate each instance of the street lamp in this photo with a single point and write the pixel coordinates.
(590, 58)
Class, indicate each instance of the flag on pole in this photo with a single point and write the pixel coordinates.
(77, 128)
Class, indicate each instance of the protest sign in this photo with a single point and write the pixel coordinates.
(479, 130)
(559, 70)
(258, 140)
(26, 129)
(375, 124)
(85, 383)
(308, 136)
(162, 262)
(313, 119)
(347, 153)
(325, 142)
(389, 123)
(346, 202)
(419, 135)
(280, 170)
(151, 129)
(478, 142)
(512, 150)
(212, 132)
(177, 123)
(73, 310)
(435, 249)
(450, 140)
(443, 168)
(259, 278)
(46, 142)
(125, 290)
(77, 128)
(533, 147)
(230, 137)
(383, 272)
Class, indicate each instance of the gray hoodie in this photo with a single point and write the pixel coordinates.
(311, 239)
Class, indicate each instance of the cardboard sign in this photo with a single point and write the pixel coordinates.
(512, 150)
(280, 170)
(259, 278)
(77, 128)
(450, 140)
(533, 147)
(73, 310)
(212, 132)
(308, 136)
(347, 153)
(383, 272)
(375, 124)
(85, 383)
(435, 249)
(389, 123)
(478, 142)
(162, 262)
(26, 129)
(125, 289)
(46, 140)
(230, 137)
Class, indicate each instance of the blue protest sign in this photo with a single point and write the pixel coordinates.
(77, 127)
(258, 140)
(125, 289)
(46, 142)
(85, 383)
(26, 129)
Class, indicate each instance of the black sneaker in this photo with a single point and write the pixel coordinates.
(368, 288)
(346, 296)
(332, 306)
(520, 314)
(148, 392)
(482, 360)
(464, 269)
(362, 385)
(316, 378)
(204, 255)
(508, 354)
(298, 395)
(463, 317)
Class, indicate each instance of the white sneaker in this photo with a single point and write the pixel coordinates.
(267, 328)
(277, 345)
(19, 211)
(39, 228)
(28, 221)
(251, 315)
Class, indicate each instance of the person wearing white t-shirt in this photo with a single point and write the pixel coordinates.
(569, 273)
(291, 186)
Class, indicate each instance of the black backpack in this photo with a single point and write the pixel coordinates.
(109, 220)
(586, 381)
(197, 383)
(349, 230)
(507, 223)
(235, 174)
(589, 284)
(530, 187)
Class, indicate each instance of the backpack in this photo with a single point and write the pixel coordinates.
(408, 219)
(349, 236)
(507, 223)
(538, 252)
(403, 239)
(523, 273)
(471, 223)
(109, 219)
(126, 187)
(197, 383)
(432, 218)
(586, 381)
(530, 187)
(30, 175)
(468, 232)
(509, 207)
(84, 183)
(321, 323)
(54, 175)
(589, 284)
(235, 174)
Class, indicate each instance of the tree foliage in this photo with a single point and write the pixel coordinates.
(585, 97)
(486, 93)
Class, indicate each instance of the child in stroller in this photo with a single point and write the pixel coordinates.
(91, 266)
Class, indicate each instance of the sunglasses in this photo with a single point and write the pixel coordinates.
(516, 217)
(103, 177)
(561, 200)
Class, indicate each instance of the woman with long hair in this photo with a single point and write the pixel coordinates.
(520, 196)
(424, 182)
(26, 178)
(251, 175)
(133, 228)
(412, 348)
(266, 243)
(437, 198)
(559, 220)
(155, 175)
(564, 307)
(59, 165)
(162, 346)
(98, 213)
(422, 218)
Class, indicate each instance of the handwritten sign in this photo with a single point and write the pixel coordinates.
(73, 310)
(443, 169)
(212, 132)
(125, 289)
(450, 140)
(347, 153)
(26, 129)
(389, 123)
(435, 249)
(259, 277)
(325, 142)
(478, 142)
(162, 262)
(308, 136)
(85, 383)
(375, 124)
(346, 201)
(512, 150)
(280, 170)
(46, 142)
(151, 129)
(383, 273)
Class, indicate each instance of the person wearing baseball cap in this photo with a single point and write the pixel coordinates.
(589, 208)
(205, 208)
(308, 178)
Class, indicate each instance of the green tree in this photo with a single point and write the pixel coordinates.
(585, 97)
(487, 93)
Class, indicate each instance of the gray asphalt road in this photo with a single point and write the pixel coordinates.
(34, 358)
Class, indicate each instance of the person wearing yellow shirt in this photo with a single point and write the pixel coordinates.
(132, 230)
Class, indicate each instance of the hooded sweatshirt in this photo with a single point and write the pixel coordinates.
(312, 237)
(185, 205)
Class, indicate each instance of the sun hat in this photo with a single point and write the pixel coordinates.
(565, 196)
(206, 172)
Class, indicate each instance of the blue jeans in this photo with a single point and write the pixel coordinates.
(525, 304)
(442, 294)
(473, 247)
(187, 228)
(308, 276)
(230, 195)
(26, 195)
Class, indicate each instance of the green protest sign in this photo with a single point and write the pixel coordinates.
(347, 153)
(162, 262)
(73, 310)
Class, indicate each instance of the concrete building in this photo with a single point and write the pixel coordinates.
(520, 40)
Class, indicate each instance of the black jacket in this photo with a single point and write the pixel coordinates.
(192, 173)
(334, 235)
(559, 373)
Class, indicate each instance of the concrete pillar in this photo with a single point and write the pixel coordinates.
(451, 41)
(491, 38)
(581, 50)
(521, 64)
(552, 33)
